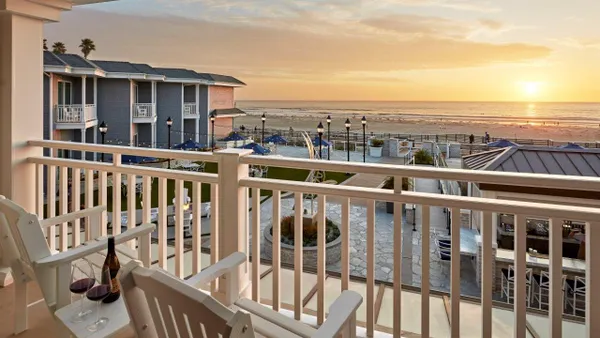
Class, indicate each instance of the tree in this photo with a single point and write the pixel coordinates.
(59, 48)
(87, 46)
(45, 44)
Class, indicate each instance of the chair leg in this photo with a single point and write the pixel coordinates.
(21, 315)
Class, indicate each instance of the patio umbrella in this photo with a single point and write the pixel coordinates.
(277, 139)
(324, 143)
(502, 144)
(257, 148)
(571, 145)
(188, 145)
(234, 137)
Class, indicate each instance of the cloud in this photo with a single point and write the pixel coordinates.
(419, 25)
(581, 43)
(492, 24)
(461, 5)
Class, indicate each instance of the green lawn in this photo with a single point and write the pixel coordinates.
(274, 173)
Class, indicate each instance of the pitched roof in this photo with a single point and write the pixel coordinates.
(50, 59)
(76, 61)
(481, 160)
(222, 78)
(117, 67)
(539, 160)
(179, 73)
(231, 112)
(144, 68)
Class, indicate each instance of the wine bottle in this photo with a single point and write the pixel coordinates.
(111, 263)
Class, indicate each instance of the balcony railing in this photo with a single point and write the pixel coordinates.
(144, 110)
(231, 222)
(189, 110)
(75, 113)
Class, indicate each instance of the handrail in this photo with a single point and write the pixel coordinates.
(408, 197)
(149, 152)
(583, 183)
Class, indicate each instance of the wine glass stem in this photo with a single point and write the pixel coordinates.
(81, 304)
(98, 310)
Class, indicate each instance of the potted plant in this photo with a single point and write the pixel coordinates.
(422, 156)
(376, 147)
(389, 184)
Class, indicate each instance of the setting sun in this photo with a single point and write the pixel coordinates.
(531, 88)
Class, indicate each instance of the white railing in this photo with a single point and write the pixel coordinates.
(230, 224)
(144, 110)
(189, 110)
(75, 113)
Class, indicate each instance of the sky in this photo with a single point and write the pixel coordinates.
(392, 50)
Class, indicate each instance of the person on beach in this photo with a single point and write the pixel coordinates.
(471, 138)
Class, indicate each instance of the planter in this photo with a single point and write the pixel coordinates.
(333, 251)
(375, 151)
(389, 207)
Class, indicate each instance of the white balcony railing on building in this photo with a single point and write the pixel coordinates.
(75, 113)
(230, 205)
(144, 110)
(189, 110)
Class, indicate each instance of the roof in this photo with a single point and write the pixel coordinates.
(50, 59)
(538, 160)
(179, 73)
(117, 67)
(222, 78)
(232, 112)
(76, 61)
(144, 68)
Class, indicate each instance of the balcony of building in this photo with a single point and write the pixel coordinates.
(144, 113)
(190, 110)
(75, 116)
(380, 256)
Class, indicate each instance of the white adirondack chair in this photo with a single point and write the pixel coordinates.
(25, 249)
(163, 306)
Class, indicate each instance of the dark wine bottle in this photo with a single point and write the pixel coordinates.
(111, 263)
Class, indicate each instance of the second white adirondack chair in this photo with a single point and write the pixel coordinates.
(25, 249)
(163, 306)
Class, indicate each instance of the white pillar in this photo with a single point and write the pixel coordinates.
(83, 103)
(96, 93)
(153, 136)
(51, 112)
(181, 112)
(233, 216)
(21, 100)
(83, 140)
(153, 92)
(197, 113)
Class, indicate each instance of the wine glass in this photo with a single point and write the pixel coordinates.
(82, 280)
(98, 294)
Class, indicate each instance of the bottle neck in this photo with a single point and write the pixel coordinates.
(111, 245)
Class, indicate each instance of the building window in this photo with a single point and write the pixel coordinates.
(65, 92)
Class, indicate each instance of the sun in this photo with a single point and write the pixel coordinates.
(531, 88)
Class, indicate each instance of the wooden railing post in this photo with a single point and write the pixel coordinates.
(233, 230)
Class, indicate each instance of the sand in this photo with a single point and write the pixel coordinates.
(385, 124)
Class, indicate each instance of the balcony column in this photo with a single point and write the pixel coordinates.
(233, 217)
(153, 135)
(197, 113)
(95, 141)
(21, 100)
(51, 110)
(85, 117)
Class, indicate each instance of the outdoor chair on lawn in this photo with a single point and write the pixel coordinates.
(508, 284)
(163, 306)
(25, 249)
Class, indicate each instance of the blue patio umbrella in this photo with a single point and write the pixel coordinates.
(571, 145)
(188, 145)
(277, 139)
(234, 137)
(324, 143)
(256, 148)
(502, 144)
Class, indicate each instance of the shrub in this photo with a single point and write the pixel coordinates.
(422, 156)
(309, 231)
(377, 142)
(389, 183)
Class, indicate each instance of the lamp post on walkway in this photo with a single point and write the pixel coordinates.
(263, 119)
(320, 132)
(103, 130)
(212, 131)
(348, 125)
(169, 125)
(328, 136)
(364, 125)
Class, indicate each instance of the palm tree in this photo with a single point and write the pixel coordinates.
(59, 48)
(45, 44)
(87, 46)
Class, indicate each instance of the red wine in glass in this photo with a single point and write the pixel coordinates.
(82, 285)
(98, 293)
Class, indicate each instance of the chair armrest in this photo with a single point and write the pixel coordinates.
(217, 270)
(93, 247)
(95, 211)
(341, 313)
(276, 318)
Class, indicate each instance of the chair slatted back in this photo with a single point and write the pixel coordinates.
(167, 307)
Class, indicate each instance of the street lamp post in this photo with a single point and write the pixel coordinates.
(103, 130)
(263, 119)
(348, 125)
(169, 125)
(328, 136)
(212, 130)
(364, 125)
(320, 132)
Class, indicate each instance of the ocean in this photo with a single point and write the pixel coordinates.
(582, 114)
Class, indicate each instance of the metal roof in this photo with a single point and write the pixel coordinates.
(538, 160)
(76, 61)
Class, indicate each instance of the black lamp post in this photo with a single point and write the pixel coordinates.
(103, 130)
(212, 130)
(169, 125)
(328, 135)
(320, 132)
(263, 119)
(348, 125)
(364, 125)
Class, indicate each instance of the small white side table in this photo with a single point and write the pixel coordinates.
(115, 312)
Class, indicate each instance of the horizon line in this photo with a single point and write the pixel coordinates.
(417, 101)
